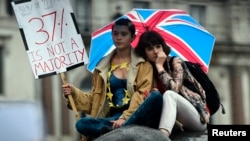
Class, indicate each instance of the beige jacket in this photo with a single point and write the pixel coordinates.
(139, 81)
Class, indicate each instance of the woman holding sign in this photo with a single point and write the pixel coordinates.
(121, 83)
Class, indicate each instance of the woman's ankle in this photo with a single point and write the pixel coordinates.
(165, 132)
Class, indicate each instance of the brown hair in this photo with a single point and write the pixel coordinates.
(150, 38)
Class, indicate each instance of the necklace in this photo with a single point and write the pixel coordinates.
(109, 95)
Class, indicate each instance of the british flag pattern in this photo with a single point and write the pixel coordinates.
(186, 37)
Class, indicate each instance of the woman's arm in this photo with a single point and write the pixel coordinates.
(167, 79)
(82, 100)
(174, 80)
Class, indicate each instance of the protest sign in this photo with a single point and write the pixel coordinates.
(51, 36)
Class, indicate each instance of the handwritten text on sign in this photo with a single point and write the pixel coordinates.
(50, 34)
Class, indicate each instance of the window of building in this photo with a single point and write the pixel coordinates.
(86, 83)
(198, 13)
(9, 9)
(83, 8)
(117, 12)
(141, 4)
(1, 70)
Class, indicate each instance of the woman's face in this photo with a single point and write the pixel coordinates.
(152, 52)
(121, 36)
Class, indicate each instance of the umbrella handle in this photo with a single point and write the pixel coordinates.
(71, 101)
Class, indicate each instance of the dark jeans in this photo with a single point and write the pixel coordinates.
(94, 127)
(148, 114)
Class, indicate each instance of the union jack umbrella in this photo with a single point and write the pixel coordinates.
(186, 37)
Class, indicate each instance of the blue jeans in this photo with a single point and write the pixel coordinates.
(94, 127)
(148, 114)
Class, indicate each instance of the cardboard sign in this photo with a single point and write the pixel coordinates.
(51, 36)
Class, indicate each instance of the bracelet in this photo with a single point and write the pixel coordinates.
(161, 72)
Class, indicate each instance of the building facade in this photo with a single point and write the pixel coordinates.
(227, 20)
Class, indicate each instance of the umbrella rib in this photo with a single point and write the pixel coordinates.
(137, 12)
(159, 18)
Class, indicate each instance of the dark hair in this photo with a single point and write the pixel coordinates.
(125, 22)
(150, 38)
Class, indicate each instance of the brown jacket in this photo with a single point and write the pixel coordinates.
(139, 81)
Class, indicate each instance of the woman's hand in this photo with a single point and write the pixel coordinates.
(154, 89)
(67, 89)
(160, 60)
(118, 123)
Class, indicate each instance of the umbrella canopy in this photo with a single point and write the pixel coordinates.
(186, 37)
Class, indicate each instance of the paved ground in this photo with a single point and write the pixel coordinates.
(189, 136)
(137, 133)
